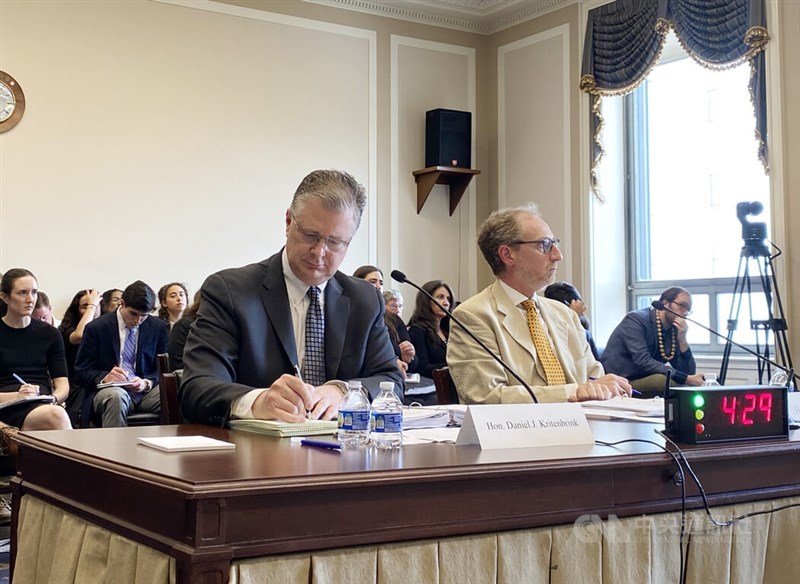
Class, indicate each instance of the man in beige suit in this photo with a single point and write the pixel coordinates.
(523, 253)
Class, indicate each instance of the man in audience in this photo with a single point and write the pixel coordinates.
(541, 339)
(110, 300)
(649, 343)
(278, 339)
(43, 310)
(120, 347)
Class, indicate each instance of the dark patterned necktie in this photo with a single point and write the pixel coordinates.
(314, 361)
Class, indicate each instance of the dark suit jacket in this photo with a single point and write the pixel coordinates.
(243, 338)
(99, 351)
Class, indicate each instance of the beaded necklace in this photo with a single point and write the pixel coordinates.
(661, 340)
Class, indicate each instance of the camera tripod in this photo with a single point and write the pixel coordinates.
(756, 251)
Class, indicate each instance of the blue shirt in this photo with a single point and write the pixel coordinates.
(632, 350)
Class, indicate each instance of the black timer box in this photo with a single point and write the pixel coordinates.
(698, 415)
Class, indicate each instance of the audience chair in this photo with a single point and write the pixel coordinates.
(445, 388)
(168, 382)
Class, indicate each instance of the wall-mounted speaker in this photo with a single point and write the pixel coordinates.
(448, 138)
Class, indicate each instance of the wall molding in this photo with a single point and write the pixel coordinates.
(560, 32)
(452, 15)
(467, 209)
(372, 39)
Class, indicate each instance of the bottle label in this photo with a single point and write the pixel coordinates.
(354, 420)
(386, 423)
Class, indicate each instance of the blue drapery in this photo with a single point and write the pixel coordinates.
(624, 40)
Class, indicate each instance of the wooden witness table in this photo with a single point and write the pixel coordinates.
(269, 497)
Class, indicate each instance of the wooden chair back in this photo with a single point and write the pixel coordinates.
(445, 388)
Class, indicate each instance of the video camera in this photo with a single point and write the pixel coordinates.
(754, 234)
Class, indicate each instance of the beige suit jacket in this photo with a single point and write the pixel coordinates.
(502, 326)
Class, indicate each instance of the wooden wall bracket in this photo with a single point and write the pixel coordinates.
(457, 178)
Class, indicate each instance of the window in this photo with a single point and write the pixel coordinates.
(690, 158)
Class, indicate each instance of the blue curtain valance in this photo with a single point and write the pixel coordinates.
(624, 40)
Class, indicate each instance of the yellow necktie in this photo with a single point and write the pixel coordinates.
(552, 368)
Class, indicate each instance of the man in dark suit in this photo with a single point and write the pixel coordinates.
(261, 325)
(120, 347)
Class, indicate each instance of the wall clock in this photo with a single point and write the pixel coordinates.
(12, 102)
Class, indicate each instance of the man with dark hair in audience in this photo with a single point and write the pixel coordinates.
(120, 347)
(43, 310)
(110, 300)
(569, 295)
(263, 326)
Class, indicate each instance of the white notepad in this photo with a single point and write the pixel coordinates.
(285, 429)
(185, 443)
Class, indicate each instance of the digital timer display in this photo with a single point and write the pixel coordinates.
(704, 414)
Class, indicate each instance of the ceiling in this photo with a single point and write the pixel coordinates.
(480, 16)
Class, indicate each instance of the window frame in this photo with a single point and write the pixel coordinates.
(637, 207)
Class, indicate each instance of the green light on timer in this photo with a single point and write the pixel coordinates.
(698, 400)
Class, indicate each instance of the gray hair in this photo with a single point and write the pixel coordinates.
(389, 295)
(501, 228)
(335, 190)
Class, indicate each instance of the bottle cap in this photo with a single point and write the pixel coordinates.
(387, 385)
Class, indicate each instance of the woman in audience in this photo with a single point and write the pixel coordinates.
(84, 308)
(43, 311)
(31, 358)
(429, 327)
(371, 274)
(403, 348)
(110, 300)
(173, 298)
(569, 295)
(398, 332)
(393, 301)
(179, 332)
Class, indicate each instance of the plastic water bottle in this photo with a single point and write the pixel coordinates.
(354, 416)
(710, 380)
(386, 419)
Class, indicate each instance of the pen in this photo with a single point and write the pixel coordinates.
(300, 377)
(320, 444)
(18, 378)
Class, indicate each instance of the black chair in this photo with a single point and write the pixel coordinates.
(445, 388)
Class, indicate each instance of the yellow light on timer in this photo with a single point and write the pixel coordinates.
(699, 401)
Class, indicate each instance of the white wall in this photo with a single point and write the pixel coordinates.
(533, 130)
(164, 143)
(430, 245)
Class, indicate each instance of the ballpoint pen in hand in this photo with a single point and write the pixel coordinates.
(300, 377)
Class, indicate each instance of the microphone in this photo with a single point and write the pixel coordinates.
(659, 305)
(401, 277)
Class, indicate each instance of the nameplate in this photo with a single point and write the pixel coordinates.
(525, 426)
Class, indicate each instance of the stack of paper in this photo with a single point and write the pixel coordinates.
(185, 443)
(433, 416)
(283, 429)
(627, 408)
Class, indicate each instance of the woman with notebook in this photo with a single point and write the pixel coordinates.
(32, 360)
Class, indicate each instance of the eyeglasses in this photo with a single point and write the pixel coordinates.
(545, 245)
(312, 238)
(685, 308)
